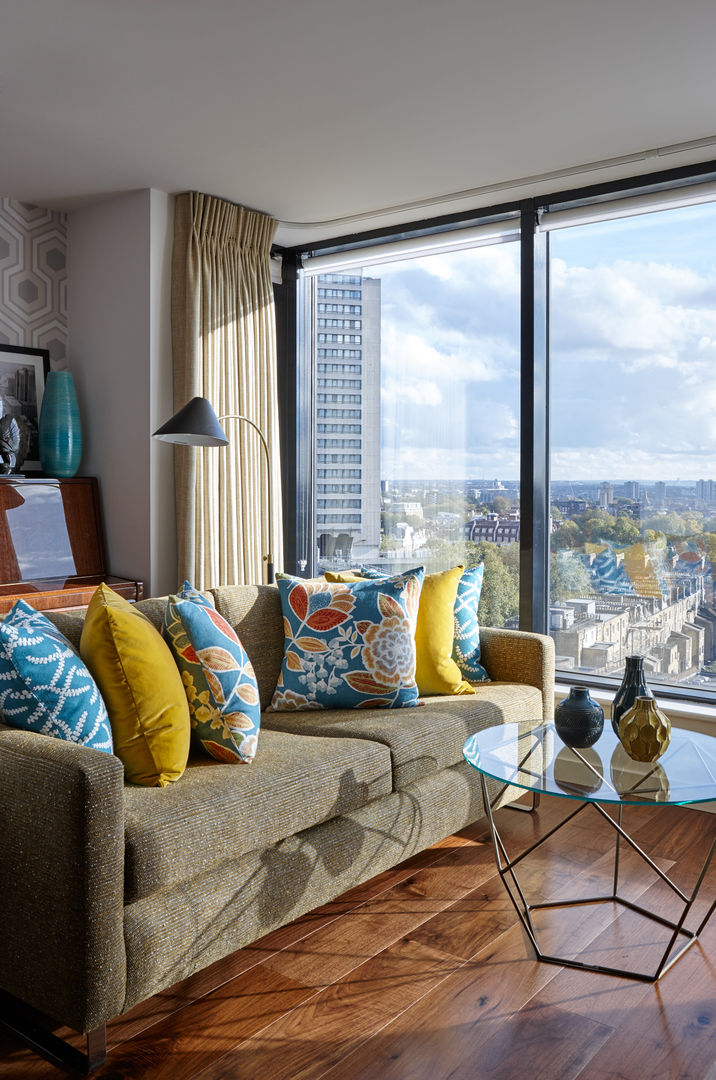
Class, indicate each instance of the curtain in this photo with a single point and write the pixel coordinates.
(224, 344)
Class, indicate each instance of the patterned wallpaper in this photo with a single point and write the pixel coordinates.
(33, 278)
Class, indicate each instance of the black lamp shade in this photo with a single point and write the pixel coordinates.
(194, 425)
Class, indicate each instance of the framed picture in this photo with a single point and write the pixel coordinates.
(22, 384)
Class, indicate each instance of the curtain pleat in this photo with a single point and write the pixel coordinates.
(224, 343)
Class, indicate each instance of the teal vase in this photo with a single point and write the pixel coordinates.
(60, 433)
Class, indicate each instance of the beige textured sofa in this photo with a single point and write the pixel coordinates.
(113, 892)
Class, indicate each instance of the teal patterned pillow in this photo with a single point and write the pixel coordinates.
(44, 686)
(466, 644)
(348, 646)
(218, 677)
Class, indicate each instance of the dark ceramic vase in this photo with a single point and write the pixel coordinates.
(579, 719)
(633, 686)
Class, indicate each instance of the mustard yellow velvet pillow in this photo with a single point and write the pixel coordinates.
(142, 689)
(437, 672)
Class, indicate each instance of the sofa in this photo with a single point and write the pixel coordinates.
(113, 892)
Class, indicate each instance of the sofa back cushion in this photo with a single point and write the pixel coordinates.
(254, 611)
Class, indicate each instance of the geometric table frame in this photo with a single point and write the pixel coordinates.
(506, 869)
(533, 757)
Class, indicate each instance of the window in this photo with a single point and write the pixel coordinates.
(438, 386)
(633, 346)
(617, 526)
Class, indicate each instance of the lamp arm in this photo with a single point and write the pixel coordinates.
(259, 432)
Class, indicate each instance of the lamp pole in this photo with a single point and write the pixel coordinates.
(268, 558)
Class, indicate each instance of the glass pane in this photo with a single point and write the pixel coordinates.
(417, 418)
(633, 345)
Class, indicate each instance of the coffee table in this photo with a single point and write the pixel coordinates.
(533, 757)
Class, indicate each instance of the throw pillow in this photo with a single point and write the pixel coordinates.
(141, 687)
(44, 686)
(437, 672)
(218, 677)
(466, 646)
(348, 645)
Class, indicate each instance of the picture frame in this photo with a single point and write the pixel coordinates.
(22, 384)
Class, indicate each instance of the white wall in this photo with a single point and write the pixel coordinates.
(119, 262)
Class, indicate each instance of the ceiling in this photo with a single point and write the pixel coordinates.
(328, 113)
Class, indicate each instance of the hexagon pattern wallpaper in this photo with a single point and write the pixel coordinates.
(33, 278)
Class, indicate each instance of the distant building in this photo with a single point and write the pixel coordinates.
(606, 494)
(494, 529)
(570, 506)
(347, 345)
(706, 490)
(407, 509)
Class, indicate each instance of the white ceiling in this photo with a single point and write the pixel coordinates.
(315, 110)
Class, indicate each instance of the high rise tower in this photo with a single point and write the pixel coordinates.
(347, 349)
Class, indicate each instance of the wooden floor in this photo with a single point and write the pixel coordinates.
(424, 973)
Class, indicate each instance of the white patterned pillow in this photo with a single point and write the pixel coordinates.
(44, 686)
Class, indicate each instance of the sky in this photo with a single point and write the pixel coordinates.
(633, 353)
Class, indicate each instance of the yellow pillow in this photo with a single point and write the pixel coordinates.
(437, 672)
(142, 689)
(346, 576)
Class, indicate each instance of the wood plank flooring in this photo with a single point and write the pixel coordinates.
(424, 973)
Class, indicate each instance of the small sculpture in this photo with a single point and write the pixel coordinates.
(14, 443)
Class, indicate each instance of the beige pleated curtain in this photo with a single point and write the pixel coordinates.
(224, 342)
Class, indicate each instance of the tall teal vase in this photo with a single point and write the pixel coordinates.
(60, 432)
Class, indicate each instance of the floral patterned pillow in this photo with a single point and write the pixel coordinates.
(218, 677)
(348, 646)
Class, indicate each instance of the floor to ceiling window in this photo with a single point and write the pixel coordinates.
(633, 457)
(419, 431)
(416, 415)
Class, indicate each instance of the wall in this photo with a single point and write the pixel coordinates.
(121, 357)
(33, 278)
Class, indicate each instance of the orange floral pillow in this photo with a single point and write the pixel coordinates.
(348, 646)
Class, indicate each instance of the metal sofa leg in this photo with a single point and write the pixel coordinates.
(28, 1025)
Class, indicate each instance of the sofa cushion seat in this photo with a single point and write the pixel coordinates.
(218, 812)
(424, 740)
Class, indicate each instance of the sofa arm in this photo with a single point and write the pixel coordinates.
(518, 657)
(62, 878)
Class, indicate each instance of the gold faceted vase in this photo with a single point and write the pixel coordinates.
(644, 730)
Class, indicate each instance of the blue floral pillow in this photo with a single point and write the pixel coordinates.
(466, 644)
(44, 686)
(218, 677)
(348, 646)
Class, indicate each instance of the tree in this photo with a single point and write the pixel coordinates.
(625, 531)
(500, 597)
(568, 535)
(568, 577)
(501, 505)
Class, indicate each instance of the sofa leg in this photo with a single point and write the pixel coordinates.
(28, 1025)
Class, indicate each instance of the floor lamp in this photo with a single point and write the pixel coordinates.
(198, 425)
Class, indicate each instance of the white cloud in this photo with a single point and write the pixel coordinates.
(420, 392)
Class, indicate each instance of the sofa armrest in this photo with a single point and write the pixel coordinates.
(519, 657)
(62, 878)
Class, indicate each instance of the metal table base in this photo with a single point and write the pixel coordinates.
(505, 867)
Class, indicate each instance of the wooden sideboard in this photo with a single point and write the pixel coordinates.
(52, 551)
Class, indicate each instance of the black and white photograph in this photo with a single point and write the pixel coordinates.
(22, 383)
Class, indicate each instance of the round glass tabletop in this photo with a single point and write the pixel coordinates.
(535, 758)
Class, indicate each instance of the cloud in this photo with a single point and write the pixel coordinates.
(421, 392)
